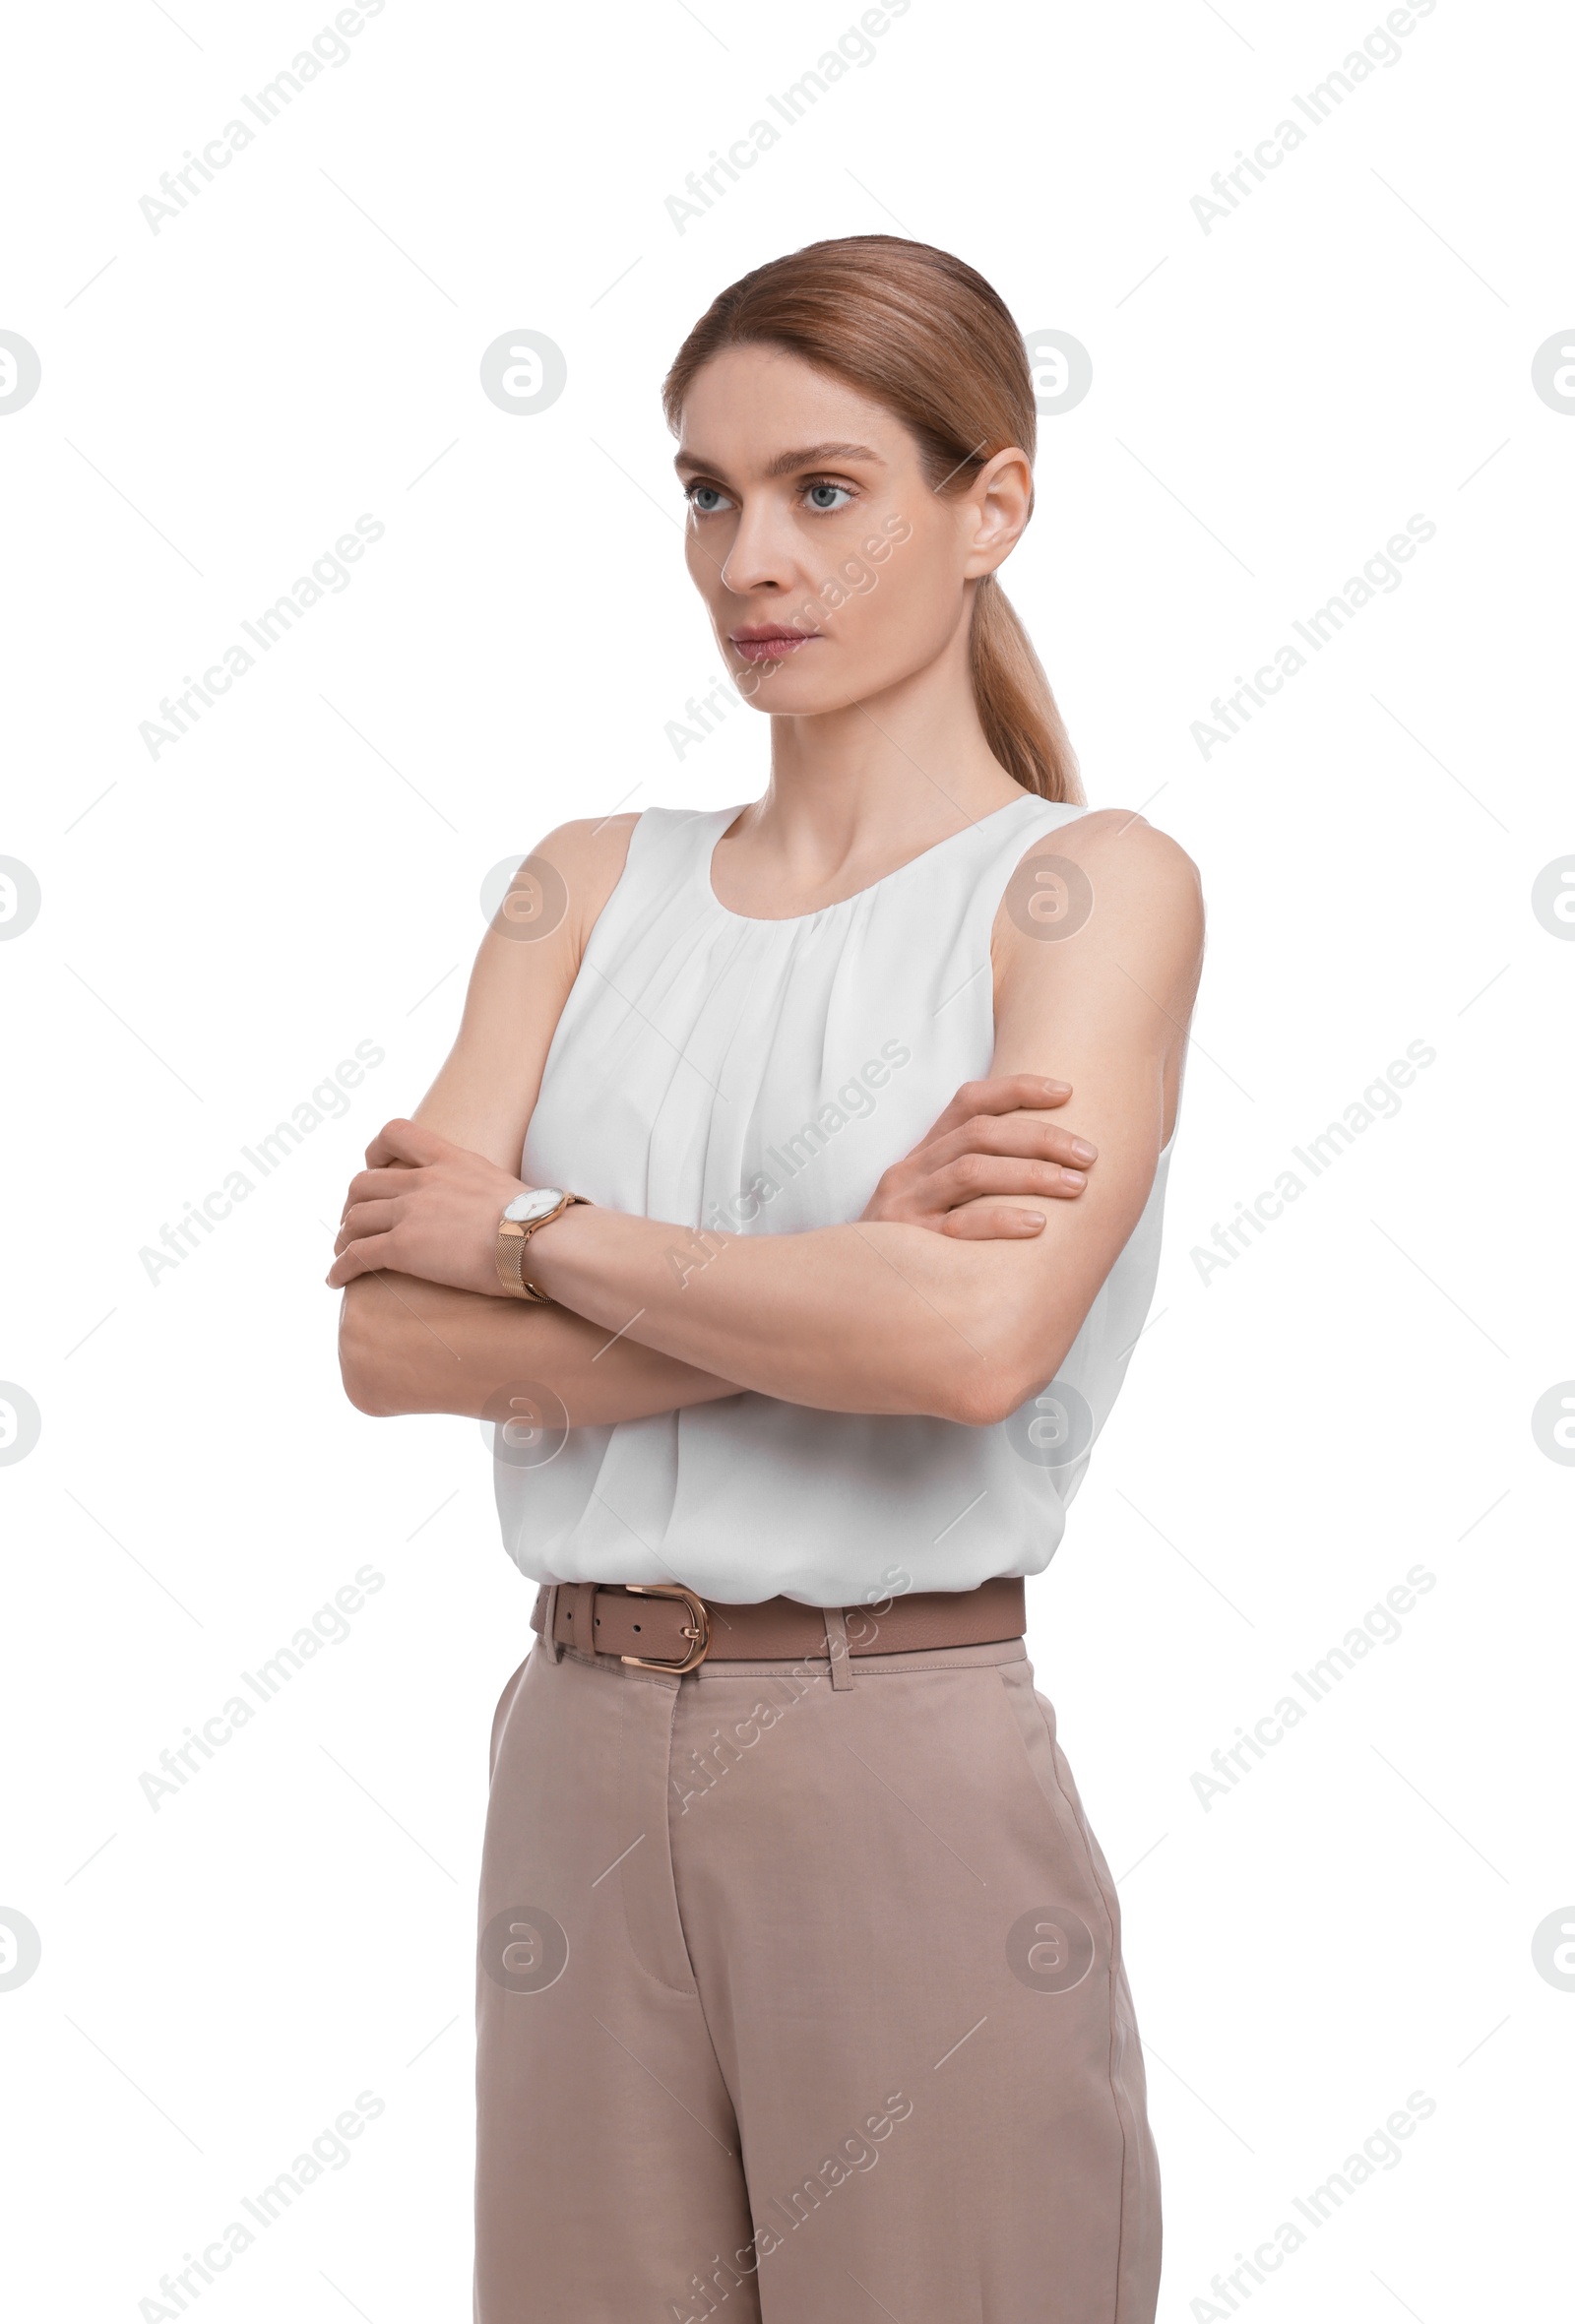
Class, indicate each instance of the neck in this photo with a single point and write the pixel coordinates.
(886, 777)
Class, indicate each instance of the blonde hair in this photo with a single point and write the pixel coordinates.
(922, 334)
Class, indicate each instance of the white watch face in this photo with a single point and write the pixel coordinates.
(533, 1204)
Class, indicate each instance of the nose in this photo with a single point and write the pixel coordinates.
(759, 559)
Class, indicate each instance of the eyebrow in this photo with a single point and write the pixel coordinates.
(786, 464)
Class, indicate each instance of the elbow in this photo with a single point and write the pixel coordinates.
(363, 1389)
(358, 1366)
(986, 1399)
(998, 1382)
(362, 1394)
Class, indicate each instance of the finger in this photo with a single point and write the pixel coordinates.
(359, 1258)
(364, 1219)
(992, 1223)
(1006, 1093)
(402, 1141)
(1013, 1133)
(378, 1186)
(979, 1174)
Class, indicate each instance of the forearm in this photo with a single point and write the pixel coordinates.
(408, 1345)
(869, 1317)
(932, 1304)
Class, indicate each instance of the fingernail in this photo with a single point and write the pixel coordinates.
(1058, 1085)
(1083, 1150)
(1034, 1218)
(1073, 1179)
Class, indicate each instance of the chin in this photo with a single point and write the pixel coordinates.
(803, 692)
(771, 684)
(802, 701)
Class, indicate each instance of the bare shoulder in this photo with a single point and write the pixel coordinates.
(558, 893)
(1107, 897)
(1131, 874)
(1125, 845)
(588, 855)
(589, 838)
(529, 959)
(535, 940)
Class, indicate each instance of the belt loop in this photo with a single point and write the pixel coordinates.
(842, 1668)
(549, 1622)
(582, 1618)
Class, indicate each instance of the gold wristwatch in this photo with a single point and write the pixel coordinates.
(538, 1207)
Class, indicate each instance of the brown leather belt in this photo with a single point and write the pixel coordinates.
(663, 1626)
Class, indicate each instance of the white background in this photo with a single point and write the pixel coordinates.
(1350, 1398)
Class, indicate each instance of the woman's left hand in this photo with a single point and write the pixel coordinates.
(423, 1206)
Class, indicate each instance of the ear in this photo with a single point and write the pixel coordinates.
(1000, 501)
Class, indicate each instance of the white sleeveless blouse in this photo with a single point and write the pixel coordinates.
(758, 1076)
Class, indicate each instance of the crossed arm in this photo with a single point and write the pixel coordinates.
(959, 1292)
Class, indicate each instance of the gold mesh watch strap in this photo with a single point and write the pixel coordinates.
(512, 1240)
(513, 1236)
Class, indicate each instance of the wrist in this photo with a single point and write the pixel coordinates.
(529, 1215)
(552, 1244)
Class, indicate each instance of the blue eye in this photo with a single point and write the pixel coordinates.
(705, 500)
(824, 505)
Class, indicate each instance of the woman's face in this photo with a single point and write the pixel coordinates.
(831, 568)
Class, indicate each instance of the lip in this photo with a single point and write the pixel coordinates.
(770, 641)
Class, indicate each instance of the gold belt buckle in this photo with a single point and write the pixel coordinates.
(698, 1629)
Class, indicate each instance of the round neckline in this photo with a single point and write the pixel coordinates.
(797, 920)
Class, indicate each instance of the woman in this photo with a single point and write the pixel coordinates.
(800, 1989)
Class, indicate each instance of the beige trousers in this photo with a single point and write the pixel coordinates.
(802, 2002)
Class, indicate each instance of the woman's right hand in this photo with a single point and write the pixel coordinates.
(989, 1141)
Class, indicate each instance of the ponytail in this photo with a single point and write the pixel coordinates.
(1016, 708)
